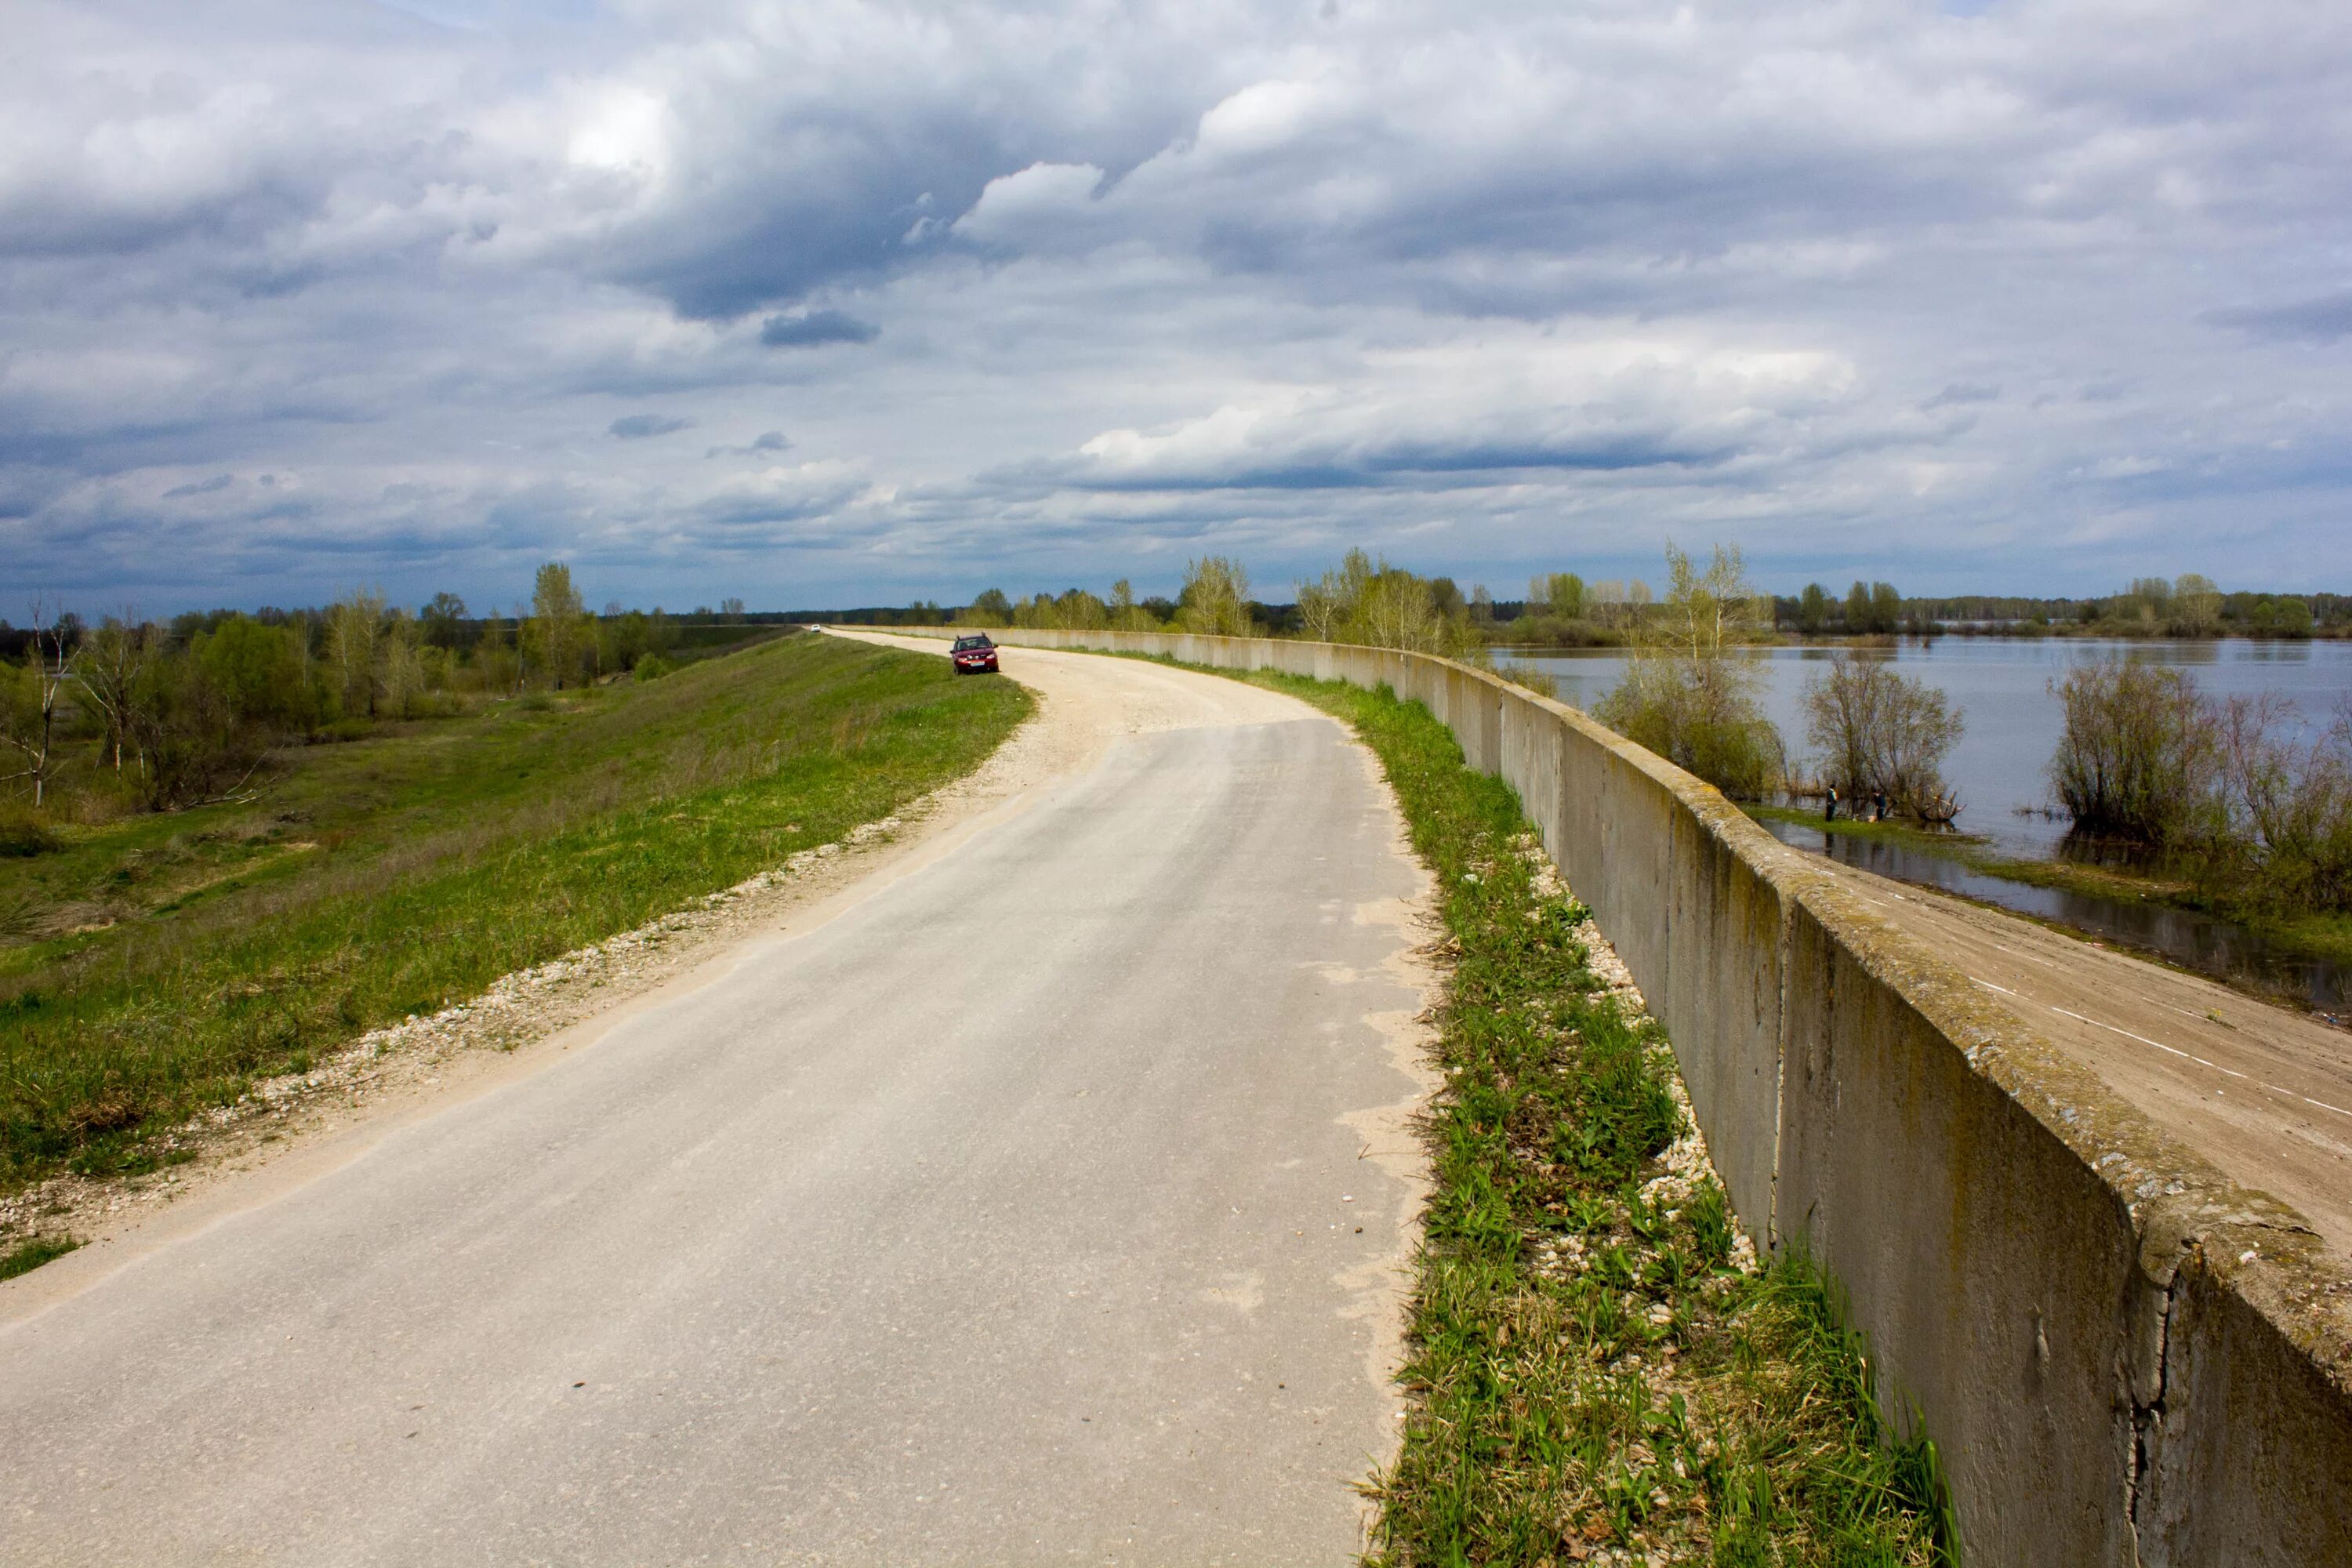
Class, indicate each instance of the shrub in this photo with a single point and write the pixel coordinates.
(2288, 805)
(1690, 690)
(1879, 730)
(22, 832)
(2140, 756)
(651, 666)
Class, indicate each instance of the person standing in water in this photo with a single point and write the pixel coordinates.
(1831, 815)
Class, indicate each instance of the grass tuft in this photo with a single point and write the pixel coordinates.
(30, 1255)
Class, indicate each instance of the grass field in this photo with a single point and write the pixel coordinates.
(156, 966)
(1593, 1377)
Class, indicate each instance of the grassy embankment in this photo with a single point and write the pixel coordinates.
(157, 965)
(2304, 934)
(1590, 1370)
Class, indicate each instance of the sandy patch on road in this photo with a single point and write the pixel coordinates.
(291, 1129)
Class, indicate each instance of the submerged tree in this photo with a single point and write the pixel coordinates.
(2140, 754)
(1879, 730)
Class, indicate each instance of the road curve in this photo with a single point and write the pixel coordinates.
(1045, 1201)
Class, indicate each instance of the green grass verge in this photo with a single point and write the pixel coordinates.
(1593, 1377)
(398, 875)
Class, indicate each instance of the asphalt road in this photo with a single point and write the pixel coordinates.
(1045, 1201)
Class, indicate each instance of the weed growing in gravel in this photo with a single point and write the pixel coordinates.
(1600, 1370)
(28, 1256)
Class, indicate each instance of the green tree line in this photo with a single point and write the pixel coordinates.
(137, 714)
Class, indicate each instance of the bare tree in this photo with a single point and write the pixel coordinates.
(28, 710)
(1880, 729)
(112, 662)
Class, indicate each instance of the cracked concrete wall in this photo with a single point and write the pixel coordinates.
(1986, 1263)
(2121, 1356)
(2247, 1450)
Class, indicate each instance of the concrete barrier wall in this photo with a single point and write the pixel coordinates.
(2122, 1357)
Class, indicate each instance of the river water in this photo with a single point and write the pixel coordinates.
(2001, 686)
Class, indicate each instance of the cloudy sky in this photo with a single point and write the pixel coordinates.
(827, 302)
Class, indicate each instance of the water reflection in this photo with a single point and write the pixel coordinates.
(2001, 686)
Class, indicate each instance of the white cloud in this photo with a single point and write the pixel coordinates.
(1982, 298)
(1031, 208)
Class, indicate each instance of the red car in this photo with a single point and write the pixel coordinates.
(974, 656)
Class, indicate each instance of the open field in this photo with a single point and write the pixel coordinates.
(153, 966)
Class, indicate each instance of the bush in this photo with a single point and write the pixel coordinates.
(1689, 691)
(2288, 808)
(651, 666)
(22, 831)
(1882, 731)
(1714, 728)
(2140, 756)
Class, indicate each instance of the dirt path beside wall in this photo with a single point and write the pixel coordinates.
(2263, 1092)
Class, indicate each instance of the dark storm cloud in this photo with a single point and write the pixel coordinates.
(2325, 320)
(815, 328)
(637, 427)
